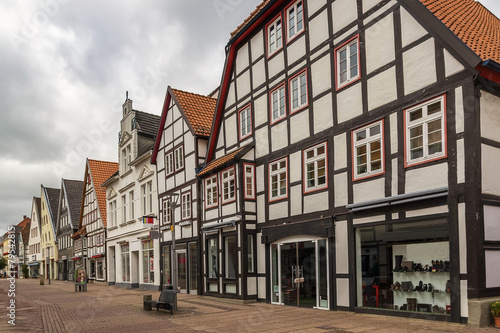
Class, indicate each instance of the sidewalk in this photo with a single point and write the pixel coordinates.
(57, 308)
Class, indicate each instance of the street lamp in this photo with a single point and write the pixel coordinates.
(173, 204)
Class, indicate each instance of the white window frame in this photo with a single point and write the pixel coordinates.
(366, 142)
(186, 205)
(179, 158)
(169, 163)
(277, 99)
(338, 60)
(274, 36)
(293, 22)
(315, 162)
(167, 216)
(245, 122)
(147, 198)
(211, 187)
(228, 184)
(279, 174)
(249, 176)
(124, 208)
(131, 205)
(425, 121)
(298, 90)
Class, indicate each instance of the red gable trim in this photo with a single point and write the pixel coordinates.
(164, 112)
(489, 74)
(227, 77)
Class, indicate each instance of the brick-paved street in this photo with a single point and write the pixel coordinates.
(57, 308)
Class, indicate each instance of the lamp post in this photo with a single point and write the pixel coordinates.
(173, 204)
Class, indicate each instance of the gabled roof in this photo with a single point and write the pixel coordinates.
(100, 171)
(470, 21)
(253, 14)
(37, 202)
(25, 225)
(73, 191)
(147, 123)
(52, 201)
(198, 111)
(224, 161)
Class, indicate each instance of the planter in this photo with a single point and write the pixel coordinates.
(497, 322)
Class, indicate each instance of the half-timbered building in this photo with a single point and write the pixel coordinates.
(132, 196)
(67, 224)
(89, 241)
(180, 149)
(352, 159)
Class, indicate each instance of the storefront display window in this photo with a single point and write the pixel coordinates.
(212, 258)
(230, 256)
(147, 262)
(100, 268)
(193, 266)
(404, 266)
(166, 265)
(125, 263)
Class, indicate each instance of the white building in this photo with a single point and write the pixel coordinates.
(34, 243)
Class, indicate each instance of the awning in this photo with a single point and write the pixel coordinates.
(76, 258)
(98, 256)
(399, 199)
(33, 264)
(217, 225)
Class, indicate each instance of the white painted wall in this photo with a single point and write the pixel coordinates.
(419, 66)
(380, 46)
(318, 29)
(490, 116)
(490, 159)
(344, 13)
(349, 103)
(382, 88)
(370, 190)
(323, 113)
(427, 178)
(411, 30)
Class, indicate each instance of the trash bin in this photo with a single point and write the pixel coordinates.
(42, 279)
(147, 305)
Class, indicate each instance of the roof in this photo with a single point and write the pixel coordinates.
(38, 205)
(100, 171)
(475, 25)
(25, 230)
(73, 191)
(253, 14)
(52, 200)
(80, 233)
(199, 110)
(223, 161)
(147, 123)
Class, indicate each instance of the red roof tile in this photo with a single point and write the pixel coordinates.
(475, 25)
(80, 233)
(199, 110)
(100, 172)
(249, 18)
(215, 164)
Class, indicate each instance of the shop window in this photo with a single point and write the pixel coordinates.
(249, 181)
(211, 194)
(245, 122)
(315, 162)
(227, 180)
(425, 132)
(212, 254)
(298, 92)
(347, 63)
(278, 104)
(295, 20)
(278, 179)
(148, 262)
(274, 37)
(368, 150)
(230, 257)
(404, 267)
(167, 280)
(100, 268)
(125, 263)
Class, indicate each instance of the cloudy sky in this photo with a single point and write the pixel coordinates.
(66, 64)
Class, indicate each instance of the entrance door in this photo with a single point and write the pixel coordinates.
(298, 273)
(181, 270)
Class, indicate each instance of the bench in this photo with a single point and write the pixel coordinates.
(165, 301)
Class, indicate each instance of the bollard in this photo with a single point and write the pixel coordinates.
(147, 305)
(42, 280)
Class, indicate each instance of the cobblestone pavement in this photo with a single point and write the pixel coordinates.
(57, 308)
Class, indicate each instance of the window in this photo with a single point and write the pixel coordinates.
(298, 91)
(212, 252)
(125, 263)
(126, 158)
(425, 132)
(131, 204)
(211, 191)
(274, 36)
(179, 158)
(368, 151)
(230, 257)
(245, 122)
(148, 273)
(150, 196)
(347, 58)
(278, 104)
(169, 163)
(249, 181)
(147, 198)
(278, 172)
(167, 216)
(228, 185)
(124, 209)
(250, 254)
(295, 19)
(315, 168)
(186, 205)
(166, 265)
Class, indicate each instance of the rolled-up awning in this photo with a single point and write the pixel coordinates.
(217, 225)
(76, 258)
(33, 264)
(98, 256)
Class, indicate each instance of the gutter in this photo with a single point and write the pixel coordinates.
(490, 64)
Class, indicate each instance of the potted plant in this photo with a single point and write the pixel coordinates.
(495, 311)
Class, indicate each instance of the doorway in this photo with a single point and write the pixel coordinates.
(181, 270)
(300, 274)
